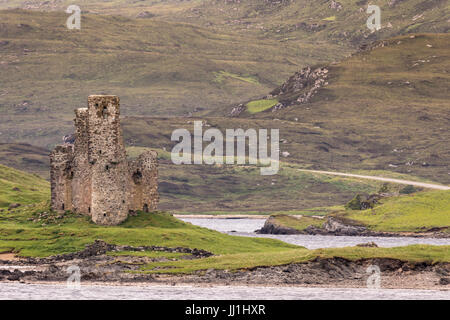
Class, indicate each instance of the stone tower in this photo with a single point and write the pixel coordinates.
(94, 177)
(61, 177)
(144, 182)
(81, 183)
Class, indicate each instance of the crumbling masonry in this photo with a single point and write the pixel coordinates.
(93, 176)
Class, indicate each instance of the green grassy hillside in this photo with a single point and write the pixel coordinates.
(20, 187)
(52, 233)
(416, 212)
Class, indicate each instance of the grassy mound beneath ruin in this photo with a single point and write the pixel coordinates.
(35, 231)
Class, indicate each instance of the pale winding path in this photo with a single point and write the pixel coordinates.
(399, 181)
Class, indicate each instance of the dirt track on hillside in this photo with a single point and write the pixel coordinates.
(399, 181)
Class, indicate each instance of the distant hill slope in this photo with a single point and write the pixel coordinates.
(341, 21)
(389, 104)
(174, 57)
(317, 20)
(20, 187)
(156, 67)
(25, 157)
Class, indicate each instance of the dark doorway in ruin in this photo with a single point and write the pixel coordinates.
(137, 177)
(62, 207)
(145, 209)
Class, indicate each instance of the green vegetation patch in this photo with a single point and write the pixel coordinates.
(260, 105)
(221, 76)
(148, 254)
(243, 261)
(298, 223)
(30, 235)
(409, 213)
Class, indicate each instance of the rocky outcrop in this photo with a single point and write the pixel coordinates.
(335, 5)
(237, 110)
(339, 227)
(93, 262)
(271, 227)
(335, 226)
(302, 86)
(100, 247)
(298, 89)
(145, 15)
(370, 244)
(330, 272)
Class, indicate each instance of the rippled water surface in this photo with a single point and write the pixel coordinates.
(61, 292)
(246, 227)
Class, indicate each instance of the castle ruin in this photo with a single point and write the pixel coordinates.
(92, 176)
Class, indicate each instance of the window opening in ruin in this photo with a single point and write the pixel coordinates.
(107, 168)
(105, 112)
(89, 209)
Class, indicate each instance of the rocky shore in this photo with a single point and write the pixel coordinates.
(336, 227)
(97, 267)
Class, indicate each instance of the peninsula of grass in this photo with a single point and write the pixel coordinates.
(416, 212)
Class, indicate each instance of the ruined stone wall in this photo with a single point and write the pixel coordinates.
(81, 182)
(143, 175)
(94, 177)
(107, 157)
(61, 175)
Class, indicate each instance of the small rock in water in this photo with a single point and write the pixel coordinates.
(368, 244)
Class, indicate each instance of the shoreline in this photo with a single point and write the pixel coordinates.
(221, 216)
(335, 227)
(103, 270)
(223, 284)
